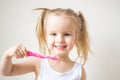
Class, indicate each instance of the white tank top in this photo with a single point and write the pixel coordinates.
(48, 73)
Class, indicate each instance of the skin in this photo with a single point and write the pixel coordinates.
(19, 51)
(61, 37)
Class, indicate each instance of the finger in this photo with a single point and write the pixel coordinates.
(24, 50)
(16, 52)
(19, 54)
(20, 51)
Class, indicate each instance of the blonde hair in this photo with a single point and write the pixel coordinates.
(82, 42)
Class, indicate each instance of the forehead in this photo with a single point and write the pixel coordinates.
(60, 22)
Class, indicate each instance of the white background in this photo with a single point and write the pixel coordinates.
(18, 22)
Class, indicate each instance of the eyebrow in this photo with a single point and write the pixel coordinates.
(54, 30)
(62, 32)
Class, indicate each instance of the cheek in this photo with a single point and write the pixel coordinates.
(71, 40)
(50, 42)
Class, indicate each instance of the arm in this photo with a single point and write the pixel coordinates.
(83, 74)
(9, 69)
(22, 68)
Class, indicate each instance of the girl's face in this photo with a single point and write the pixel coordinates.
(61, 34)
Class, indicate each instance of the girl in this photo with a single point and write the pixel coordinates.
(58, 31)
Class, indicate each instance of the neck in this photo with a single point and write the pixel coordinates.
(63, 64)
(62, 60)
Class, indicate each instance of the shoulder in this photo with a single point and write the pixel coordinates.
(79, 66)
(34, 60)
(83, 73)
(35, 63)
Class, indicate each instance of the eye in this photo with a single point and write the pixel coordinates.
(67, 34)
(53, 34)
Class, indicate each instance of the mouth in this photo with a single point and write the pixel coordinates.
(60, 47)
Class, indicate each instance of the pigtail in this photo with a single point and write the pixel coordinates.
(40, 31)
(83, 39)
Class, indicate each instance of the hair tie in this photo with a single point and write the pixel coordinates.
(78, 13)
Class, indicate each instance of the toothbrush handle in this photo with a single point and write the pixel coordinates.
(40, 56)
(34, 54)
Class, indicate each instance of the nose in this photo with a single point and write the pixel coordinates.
(60, 39)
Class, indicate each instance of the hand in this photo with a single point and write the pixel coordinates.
(19, 51)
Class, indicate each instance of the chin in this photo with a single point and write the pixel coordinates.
(60, 53)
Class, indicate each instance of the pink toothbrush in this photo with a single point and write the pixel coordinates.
(40, 56)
